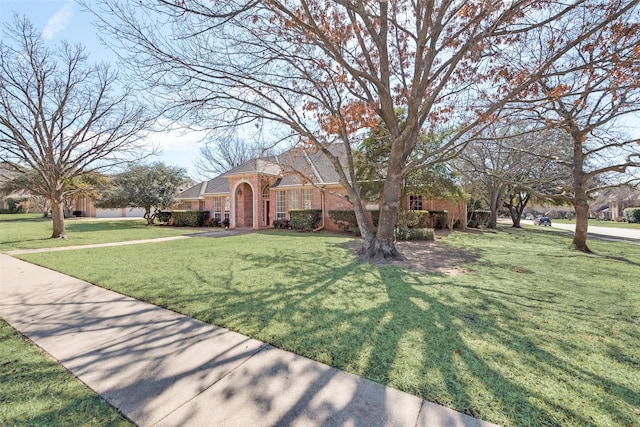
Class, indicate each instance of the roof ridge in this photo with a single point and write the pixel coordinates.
(315, 170)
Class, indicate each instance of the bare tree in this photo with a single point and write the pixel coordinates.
(221, 155)
(585, 96)
(504, 167)
(62, 117)
(321, 72)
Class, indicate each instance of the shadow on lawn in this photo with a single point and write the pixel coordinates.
(483, 351)
(93, 226)
(458, 345)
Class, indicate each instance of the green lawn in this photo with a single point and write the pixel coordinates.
(534, 334)
(27, 231)
(36, 391)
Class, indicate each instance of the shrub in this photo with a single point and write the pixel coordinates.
(632, 215)
(438, 219)
(344, 219)
(414, 234)
(416, 219)
(189, 218)
(305, 219)
(225, 223)
(16, 206)
(164, 216)
(479, 219)
(281, 223)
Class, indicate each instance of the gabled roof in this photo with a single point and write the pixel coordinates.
(312, 163)
(263, 165)
(293, 167)
(218, 185)
(194, 192)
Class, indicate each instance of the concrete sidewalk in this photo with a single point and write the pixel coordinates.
(160, 368)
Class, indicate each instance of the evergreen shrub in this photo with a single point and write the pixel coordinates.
(189, 218)
(304, 219)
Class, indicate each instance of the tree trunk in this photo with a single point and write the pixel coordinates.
(365, 229)
(515, 216)
(383, 245)
(148, 216)
(516, 209)
(582, 224)
(495, 204)
(57, 213)
(580, 202)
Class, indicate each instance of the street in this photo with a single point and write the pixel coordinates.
(620, 233)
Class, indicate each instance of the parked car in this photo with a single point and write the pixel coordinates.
(543, 220)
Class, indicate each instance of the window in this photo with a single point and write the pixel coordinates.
(217, 209)
(415, 203)
(280, 205)
(307, 199)
(294, 201)
(226, 208)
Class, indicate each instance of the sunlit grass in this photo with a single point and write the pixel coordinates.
(36, 391)
(535, 334)
(27, 231)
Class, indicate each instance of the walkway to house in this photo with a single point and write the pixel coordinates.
(160, 368)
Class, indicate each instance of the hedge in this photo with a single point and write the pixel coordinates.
(438, 219)
(479, 219)
(304, 219)
(632, 215)
(416, 218)
(414, 234)
(344, 219)
(189, 218)
(164, 216)
(15, 206)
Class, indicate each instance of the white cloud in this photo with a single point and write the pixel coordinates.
(58, 22)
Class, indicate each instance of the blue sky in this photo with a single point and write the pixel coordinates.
(65, 20)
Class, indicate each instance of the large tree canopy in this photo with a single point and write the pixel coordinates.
(585, 98)
(321, 72)
(62, 118)
(151, 187)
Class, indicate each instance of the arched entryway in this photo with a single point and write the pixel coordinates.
(244, 205)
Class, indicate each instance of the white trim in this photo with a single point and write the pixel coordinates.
(233, 196)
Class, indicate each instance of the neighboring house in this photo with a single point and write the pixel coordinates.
(260, 191)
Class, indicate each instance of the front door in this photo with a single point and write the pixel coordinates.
(266, 212)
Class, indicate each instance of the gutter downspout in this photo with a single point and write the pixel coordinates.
(322, 217)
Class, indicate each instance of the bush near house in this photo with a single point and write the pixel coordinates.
(344, 219)
(14, 206)
(438, 219)
(305, 219)
(420, 219)
(189, 218)
(479, 218)
(164, 217)
(414, 234)
(632, 215)
(282, 224)
(414, 218)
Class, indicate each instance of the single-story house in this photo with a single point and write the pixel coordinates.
(263, 190)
